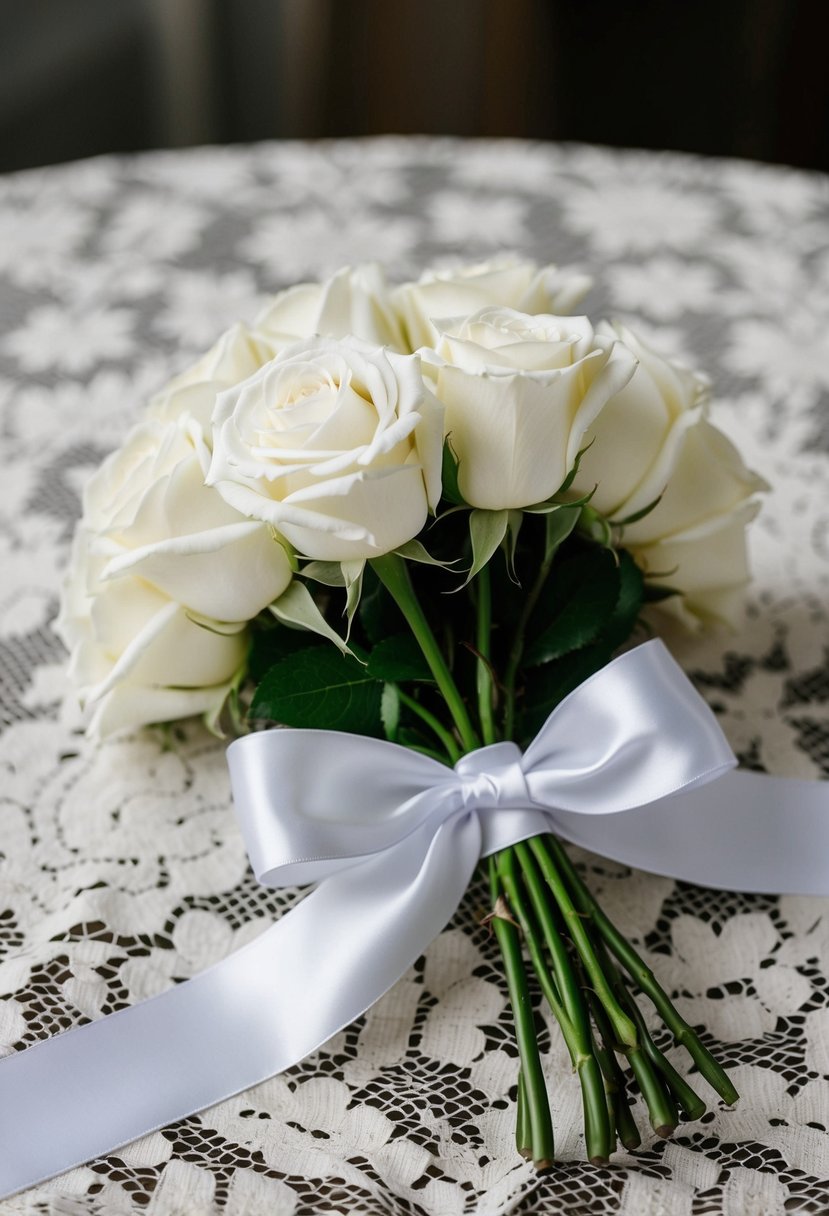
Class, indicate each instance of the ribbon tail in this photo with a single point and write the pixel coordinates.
(743, 832)
(88, 1091)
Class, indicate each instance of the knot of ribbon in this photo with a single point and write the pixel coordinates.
(492, 777)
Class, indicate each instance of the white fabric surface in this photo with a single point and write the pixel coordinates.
(121, 869)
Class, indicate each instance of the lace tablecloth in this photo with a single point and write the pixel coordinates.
(121, 870)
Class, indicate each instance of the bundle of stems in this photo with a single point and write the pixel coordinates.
(586, 969)
(587, 972)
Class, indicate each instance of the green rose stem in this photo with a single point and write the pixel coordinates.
(615, 1080)
(661, 1109)
(713, 1072)
(598, 1131)
(452, 750)
(690, 1102)
(523, 1138)
(563, 996)
(656, 1093)
(623, 1026)
(485, 684)
(517, 648)
(540, 1137)
(393, 574)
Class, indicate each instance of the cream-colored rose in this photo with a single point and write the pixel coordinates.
(151, 516)
(139, 657)
(707, 484)
(695, 538)
(506, 282)
(237, 354)
(336, 444)
(653, 439)
(708, 565)
(519, 393)
(163, 578)
(635, 442)
(353, 301)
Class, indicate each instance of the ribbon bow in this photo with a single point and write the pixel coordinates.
(392, 838)
(315, 804)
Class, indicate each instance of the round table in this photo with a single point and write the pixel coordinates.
(121, 869)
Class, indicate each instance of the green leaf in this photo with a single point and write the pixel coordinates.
(548, 685)
(414, 551)
(418, 741)
(330, 574)
(553, 504)
(597, 527)
(272, 642)
(571, 476)
(379, 615)
(390, 711)
(558, 527)
(397, 659)
(449, 474)
(296, 608)
(636, 515)
(348, 575)
(318, 687)
(353, 576)
(581, 596)
(629, 601)
(228, 708)
(514, 521)
(486, 531)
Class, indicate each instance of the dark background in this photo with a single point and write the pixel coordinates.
(745, 78)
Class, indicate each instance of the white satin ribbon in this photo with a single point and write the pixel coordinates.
(392, 839)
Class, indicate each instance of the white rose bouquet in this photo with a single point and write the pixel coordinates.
(426, 514)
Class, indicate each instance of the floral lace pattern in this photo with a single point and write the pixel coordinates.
(121, 870)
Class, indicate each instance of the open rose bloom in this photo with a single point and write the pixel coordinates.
(427, 514)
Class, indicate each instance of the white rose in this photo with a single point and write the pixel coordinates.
(237, 354)
(707, 565)
(353, 301)
(508, 282)
(336, 444)
(519, 393)
(137, 656)
(695, 538)
(150, 516)
(708, 484)
(163, 578)
(653, 441)
(635, 442)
